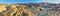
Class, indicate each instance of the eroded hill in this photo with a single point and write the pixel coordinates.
(19, 10)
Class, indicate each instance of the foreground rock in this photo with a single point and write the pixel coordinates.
(19, 10)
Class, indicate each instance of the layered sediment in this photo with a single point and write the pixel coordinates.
(18, 10)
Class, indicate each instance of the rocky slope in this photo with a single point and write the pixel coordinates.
(19, 10)
(30, 9)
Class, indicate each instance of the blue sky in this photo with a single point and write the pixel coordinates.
(28, 1)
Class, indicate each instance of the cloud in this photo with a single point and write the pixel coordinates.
(52, 1)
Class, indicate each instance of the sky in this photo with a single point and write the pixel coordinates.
(27, 1)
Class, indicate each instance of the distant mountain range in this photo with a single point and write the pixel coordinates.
(51, 6)
(44, 4)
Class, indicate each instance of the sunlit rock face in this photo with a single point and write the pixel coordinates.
(2, 7)
(19, 10)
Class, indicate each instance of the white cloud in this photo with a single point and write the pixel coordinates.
(52, 1)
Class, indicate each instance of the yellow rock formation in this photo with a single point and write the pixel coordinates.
(2, 8)
(14, 11)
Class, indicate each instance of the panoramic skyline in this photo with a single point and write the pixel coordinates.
(27, 1)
